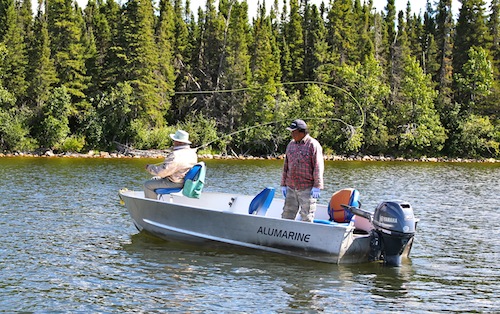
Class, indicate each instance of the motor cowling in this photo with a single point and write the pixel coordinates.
(394, 226)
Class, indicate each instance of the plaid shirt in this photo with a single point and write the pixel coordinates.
(304, 164)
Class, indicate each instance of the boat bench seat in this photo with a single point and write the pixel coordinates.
(260, 203)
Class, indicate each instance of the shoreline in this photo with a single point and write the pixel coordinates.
(161, 154)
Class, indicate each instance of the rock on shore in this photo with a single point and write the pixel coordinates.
(162, 154)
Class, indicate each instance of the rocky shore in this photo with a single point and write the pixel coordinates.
(162, 154)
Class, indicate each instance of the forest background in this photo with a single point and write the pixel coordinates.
(366, 81)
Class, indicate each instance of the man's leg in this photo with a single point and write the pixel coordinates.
(291, 206)
(307, 205)
(151, 185)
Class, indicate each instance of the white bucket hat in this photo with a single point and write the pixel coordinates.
(181, 136)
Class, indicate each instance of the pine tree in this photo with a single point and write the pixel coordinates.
(185, 39)
(444, 25)
(65, 27)
(493, 107)
(471, 31)
(15, 60)
(165, 43)
(265, 69)
(142, 62)
(109, 36)
(443, 78)
(93, 65)
(236, 65)
(417, 40)
(42, 68)
(364, 46)
(295, 43)
(5, 6)
(316, 46)
(341, 34)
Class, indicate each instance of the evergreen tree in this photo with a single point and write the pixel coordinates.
(427, 38)
(65, 27)
(165, 43)
(316, 53)
(109, 35)
(293, 36)
(210, 55)
(142, 62)
(235, 66)
(186, 36)
(341, 33)
(25, 19)
(15, 59)
(90, 44)
(494, 34)
(390, 24)
(44, 76)
(471, 31)
(364, 46)
(380, 39)
(5, 7)
(265, 69)
(400, 51)
(444, 25)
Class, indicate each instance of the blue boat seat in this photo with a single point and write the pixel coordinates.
(195, 175)
(260, 203)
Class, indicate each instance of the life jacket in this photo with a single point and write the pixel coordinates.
(346, 197)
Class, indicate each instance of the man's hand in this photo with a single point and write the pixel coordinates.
(283, 191)
(315, 192)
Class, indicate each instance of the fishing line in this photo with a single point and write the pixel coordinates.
(282, 84)
(350, 128)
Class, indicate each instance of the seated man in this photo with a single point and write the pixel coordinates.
(170, 174)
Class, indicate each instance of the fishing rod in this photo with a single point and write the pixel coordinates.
(351, 128)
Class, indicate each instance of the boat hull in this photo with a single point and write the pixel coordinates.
(224, 218)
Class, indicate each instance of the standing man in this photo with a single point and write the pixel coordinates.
(302, 177)
(171, 173)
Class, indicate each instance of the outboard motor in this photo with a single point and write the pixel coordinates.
(394, 227)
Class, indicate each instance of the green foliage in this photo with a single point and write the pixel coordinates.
(202, 131)
(115, 114)
(478, 137)
(7, 100)
(55, 122)
(421, 131)
(476, 78)
(73, 144)
(134, 72)
(14, 133)
(145, 138)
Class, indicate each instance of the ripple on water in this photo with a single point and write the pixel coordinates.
(69, 246)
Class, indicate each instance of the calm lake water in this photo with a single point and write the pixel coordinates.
(68, 246)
